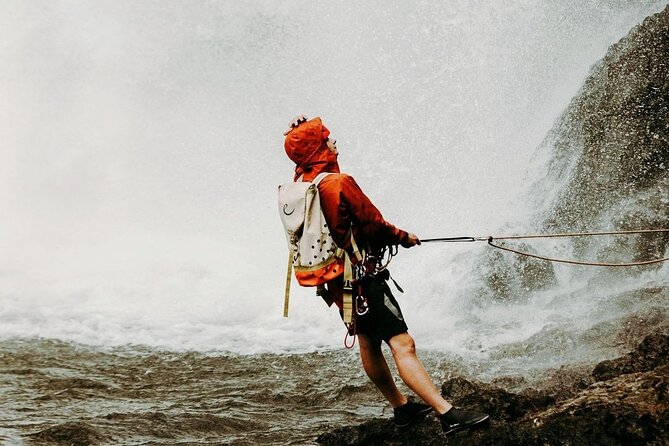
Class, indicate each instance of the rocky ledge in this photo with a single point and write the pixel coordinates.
(624, 401)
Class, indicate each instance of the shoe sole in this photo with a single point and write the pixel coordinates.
(463, 427)
(415, 418)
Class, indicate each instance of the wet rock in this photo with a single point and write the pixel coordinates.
(75, 433)
(611, 147)
(643, 312)
(512, 278)
(610, 150)
(384, 433)
(627, 410)
(651, 353)
(495, 401)
(630, 408)
(565, 382)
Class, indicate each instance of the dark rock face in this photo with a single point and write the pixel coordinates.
(495, 401)
(609, 155)
(627, 410)
(611, 146)
(384, 433)
(653, 352)
(630, 407)
(515, 278)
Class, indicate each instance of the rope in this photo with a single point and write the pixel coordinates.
(575, 262)
(552, 259)
(574, 234)
(449, 239)
(346, 344)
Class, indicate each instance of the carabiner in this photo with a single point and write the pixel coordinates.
(361, 305)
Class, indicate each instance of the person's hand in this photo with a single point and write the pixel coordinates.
(297, 120)
(411, 240)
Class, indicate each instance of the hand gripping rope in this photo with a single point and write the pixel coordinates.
(491, 240)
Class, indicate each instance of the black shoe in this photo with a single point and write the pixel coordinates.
(410, 412)
(456, 420)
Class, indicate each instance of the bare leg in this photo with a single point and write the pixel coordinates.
(376, 367)
(414, 374)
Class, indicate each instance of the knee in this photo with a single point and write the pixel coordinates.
(402, 345)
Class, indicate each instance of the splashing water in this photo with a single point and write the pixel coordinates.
(142, 147)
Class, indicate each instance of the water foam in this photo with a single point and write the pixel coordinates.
(144, 149)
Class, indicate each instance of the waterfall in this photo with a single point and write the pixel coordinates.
(142, 150)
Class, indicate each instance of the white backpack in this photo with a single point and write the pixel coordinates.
(313, 253)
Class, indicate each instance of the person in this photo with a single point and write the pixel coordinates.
(346, 208)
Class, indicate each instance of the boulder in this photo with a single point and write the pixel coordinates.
(628, 406)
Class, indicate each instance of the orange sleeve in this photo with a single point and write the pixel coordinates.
(366, 218)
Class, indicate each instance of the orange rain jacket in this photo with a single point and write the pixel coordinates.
(344, 204)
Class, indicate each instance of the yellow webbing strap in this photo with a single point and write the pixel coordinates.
(288, 279)
(348, 283)
(356, 251)
(347, 304)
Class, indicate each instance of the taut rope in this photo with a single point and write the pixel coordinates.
(490, 240)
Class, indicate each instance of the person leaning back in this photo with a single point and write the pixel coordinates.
(362, 235)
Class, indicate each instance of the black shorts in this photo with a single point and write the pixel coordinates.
(384, 318)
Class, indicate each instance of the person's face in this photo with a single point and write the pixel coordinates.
(332, 145)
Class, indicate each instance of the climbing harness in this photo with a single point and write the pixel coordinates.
(379, 261)
(490, 240)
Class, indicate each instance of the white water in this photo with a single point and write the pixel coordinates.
(142, 148)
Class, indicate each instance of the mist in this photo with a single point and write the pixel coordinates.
(142, 148)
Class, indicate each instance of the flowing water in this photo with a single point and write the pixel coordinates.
(142, 257)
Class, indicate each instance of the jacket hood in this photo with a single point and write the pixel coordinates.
(305, 146)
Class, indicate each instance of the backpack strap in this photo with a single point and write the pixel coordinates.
(319, 177)
(347, 304)
(356, 252)
(289, 275)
